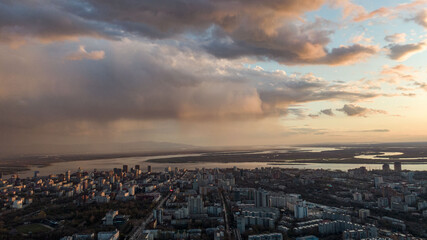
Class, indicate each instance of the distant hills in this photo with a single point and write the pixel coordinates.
(101, 148)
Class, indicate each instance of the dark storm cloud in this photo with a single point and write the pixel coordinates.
(157, 18)
(290, 44)
(227, 29)
(142, 82)
(45, 20)
(293, 52)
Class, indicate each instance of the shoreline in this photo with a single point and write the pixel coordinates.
(15, 165)
(273, 157)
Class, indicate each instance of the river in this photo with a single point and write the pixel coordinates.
(109, 164)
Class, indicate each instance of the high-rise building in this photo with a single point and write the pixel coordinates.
(410, 176)
(386, 167)
(378, 181)
(364, 213)
(131, 190)
(149, 169)
(261, 198)
(399, 207)
(411, 199)
(300, 211)
(241, 224)
(397, 166)
(67, 175)
(109, 217)
(125, 168)
(158, 215)
(357, 196)
(277, 201)
(195, 205)
(383, 202)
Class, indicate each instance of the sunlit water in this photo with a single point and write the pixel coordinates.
(386, 156)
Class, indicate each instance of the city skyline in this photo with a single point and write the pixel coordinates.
(212, 73)
(213, 119)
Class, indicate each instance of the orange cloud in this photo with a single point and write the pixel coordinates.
(83, 54)
(382, 12)
(396, 70)
(390, 12)
(396, 38)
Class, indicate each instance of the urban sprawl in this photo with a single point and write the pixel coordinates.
(254, 204)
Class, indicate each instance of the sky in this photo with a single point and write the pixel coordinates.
(212, 72)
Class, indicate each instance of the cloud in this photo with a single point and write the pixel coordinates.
(295, 50)
(144, 81)
(421, 18)
(408, 94)
(401, 52)
(299, 113)
(403, 76)
(371, 131)
(399, 70)
(83, 54)
(375, 131)
(354, 110)
(421, 85)
(161, 19)
(389, 12)
(396, 38)
(361, 38)
(328, 112)
(382, 12)
(306, 131)
(272, 30)
(397, 73)
(349, 9)
(46, 21)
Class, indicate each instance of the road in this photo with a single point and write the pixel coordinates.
(228, 229)
(138, 233)
(237, 234)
